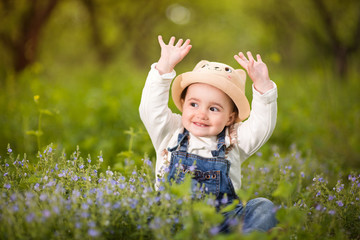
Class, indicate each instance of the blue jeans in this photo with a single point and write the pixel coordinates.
(257, 215)
(212, 175)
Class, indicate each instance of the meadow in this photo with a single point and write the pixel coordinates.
(77, 163)
(60, 195)
(51, 190)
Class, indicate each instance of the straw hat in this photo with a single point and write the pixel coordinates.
(219, 75)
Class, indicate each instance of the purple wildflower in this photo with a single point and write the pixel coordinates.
(43, 197)
(331, 212)
(341, 187)
(117, 205)
(46, 213)
(15, 208)
(224, 200)
(92, 224)
(340, 203)
(147, 162)
(75, 178)
(93, 233)
(30, 217)
(214, 230)
(56, 210)
(167, 196)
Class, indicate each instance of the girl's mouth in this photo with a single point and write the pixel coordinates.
(200, 124)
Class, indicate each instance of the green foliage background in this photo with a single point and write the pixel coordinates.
(87, 92)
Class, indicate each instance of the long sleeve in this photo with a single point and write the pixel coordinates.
(257, 129)
(154, 111)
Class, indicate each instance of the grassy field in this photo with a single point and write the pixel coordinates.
(309, 168)
(58, 195)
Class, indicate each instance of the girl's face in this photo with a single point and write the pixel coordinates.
(206, 110)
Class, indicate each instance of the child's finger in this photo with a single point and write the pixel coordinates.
(258, 57)
(172, 40)
(250, 56)
(161, 41)
(251, 64)
(242, 56)
(178, 44)
(186, 43)
(241, 60)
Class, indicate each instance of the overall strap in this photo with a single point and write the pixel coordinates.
(221, 147)
(182, 141)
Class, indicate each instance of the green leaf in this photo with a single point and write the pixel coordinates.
(183, 189)
(207, 212)
(35, 133)
(283, 190)
(231, 206)
(46, 112)
(291, 216)
(245, 195)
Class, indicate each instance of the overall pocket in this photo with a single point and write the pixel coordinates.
(208, 181)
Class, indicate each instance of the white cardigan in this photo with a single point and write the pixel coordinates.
(242, 139)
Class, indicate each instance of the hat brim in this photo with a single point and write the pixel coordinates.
(219, 81)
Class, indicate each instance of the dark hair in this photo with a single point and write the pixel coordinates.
(183, 94)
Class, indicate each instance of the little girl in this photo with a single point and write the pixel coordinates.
(211, 138)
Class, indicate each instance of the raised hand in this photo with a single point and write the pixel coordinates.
(172, 54)
(257, 71)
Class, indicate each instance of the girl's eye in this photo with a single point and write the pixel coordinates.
(194, 104)
(214, 109)
(227, 69)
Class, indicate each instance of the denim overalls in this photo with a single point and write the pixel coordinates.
(211, 175)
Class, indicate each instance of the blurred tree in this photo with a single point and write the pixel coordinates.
(334, 18)
(103, 51)
(135, 24)
(21, 25)
(329, 29)
(115, 26)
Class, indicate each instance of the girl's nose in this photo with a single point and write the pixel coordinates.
(201, 114)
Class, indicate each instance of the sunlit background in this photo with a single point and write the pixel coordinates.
(72, 71)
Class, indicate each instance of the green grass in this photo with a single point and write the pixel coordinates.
(309, 168)
(66, 196)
